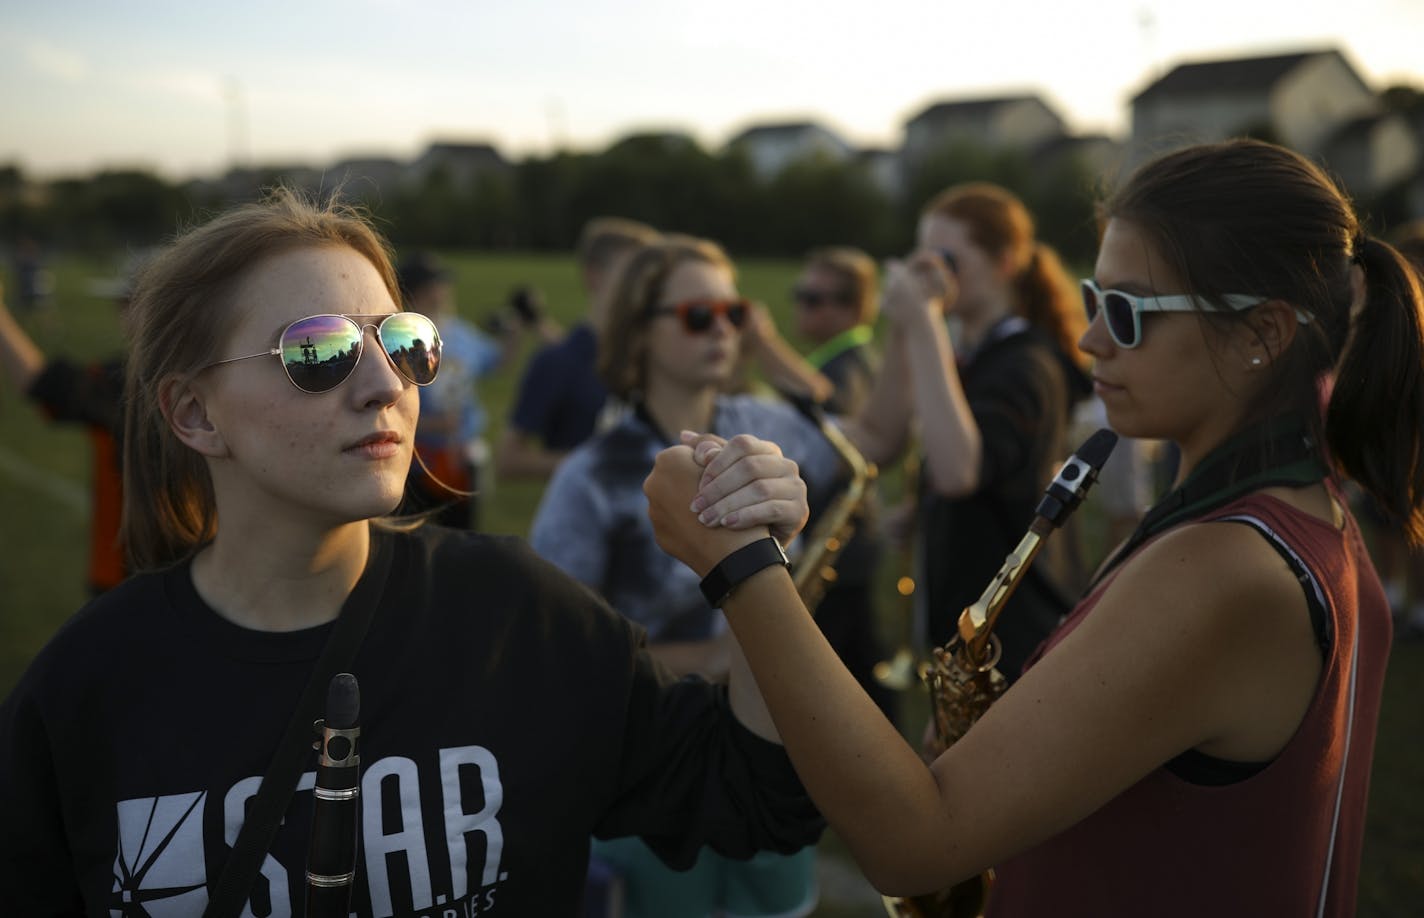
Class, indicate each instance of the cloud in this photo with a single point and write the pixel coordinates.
(193, 85)
(53, 61)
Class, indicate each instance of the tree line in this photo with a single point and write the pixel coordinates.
(540, 203)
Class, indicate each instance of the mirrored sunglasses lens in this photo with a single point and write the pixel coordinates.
(320, 352)
(412, 343)
(1117, 309)
(697, 317)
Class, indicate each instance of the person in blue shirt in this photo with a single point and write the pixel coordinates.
(450, 440)
(560, 395)
(674, 335)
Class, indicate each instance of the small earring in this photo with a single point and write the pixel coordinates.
(1255, 361)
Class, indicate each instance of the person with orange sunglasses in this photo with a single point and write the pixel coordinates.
(672, 339)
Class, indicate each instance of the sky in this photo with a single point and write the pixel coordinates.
(191, 88)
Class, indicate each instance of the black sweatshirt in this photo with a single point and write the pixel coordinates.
(507, 715)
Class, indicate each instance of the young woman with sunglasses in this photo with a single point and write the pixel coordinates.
(1196, 737)
(671, 342)
(508, 714)
(993, 402)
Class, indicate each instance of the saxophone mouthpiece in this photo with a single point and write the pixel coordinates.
(1077, 475)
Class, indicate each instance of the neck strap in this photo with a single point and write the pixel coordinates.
(1282, 453)
(229, 894)
(844, 341)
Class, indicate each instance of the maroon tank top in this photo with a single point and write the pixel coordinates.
(1285, 841)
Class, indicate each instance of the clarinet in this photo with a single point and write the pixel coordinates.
(336, 805)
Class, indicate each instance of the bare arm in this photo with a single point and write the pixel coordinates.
(882, 428)
(914, 292)
(22, 358)
(759, 493)
(782, 366)
(1169, 660)
(519, 455)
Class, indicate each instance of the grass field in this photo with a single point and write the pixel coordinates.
(43, 493)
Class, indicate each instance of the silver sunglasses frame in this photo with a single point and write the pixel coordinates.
(360, 337)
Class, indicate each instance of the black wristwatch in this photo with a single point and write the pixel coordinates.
(738, 566)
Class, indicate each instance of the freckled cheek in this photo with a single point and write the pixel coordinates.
(292, 440)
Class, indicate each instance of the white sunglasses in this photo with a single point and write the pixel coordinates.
(1123, 311)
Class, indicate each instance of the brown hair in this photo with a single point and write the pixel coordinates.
(180, 315)
(1000, 224)
(1253, 218)
(1409, 239)
(603, 239)
(622, 342)
(856, 271)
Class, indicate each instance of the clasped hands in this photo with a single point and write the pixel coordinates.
(707, 497)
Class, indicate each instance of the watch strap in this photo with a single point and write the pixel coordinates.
(738, 566)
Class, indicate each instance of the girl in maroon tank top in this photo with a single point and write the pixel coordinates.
(1196, 738)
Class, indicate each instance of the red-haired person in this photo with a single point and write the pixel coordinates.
(992, 401)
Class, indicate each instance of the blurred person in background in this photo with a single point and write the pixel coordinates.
(560, 396)
(672, 339)
(450, 439)
(89, 394)
(992, 405)
(836, 302)
(34, 281)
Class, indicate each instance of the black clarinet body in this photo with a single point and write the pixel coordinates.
(336, 805)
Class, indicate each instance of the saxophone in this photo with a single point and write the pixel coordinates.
(962, 678)
(815, 569)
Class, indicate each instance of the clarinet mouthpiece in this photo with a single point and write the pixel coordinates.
(1073, 480)
(1097, 448)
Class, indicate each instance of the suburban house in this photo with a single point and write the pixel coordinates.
(1097, 154)
(1372, 153)
(1008, 122)
(773, 147)
(461, 164)
(363, 177)
(1312, 101)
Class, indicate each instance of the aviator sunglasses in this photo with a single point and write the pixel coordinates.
(698, 315)
(1123, 311)
(319, 352)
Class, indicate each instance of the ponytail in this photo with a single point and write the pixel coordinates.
(1049, 300)
(1375, 419)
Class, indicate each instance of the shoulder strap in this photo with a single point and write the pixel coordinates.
(229, 894)
(1282, 454)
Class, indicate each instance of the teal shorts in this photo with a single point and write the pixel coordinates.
(769, 885)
